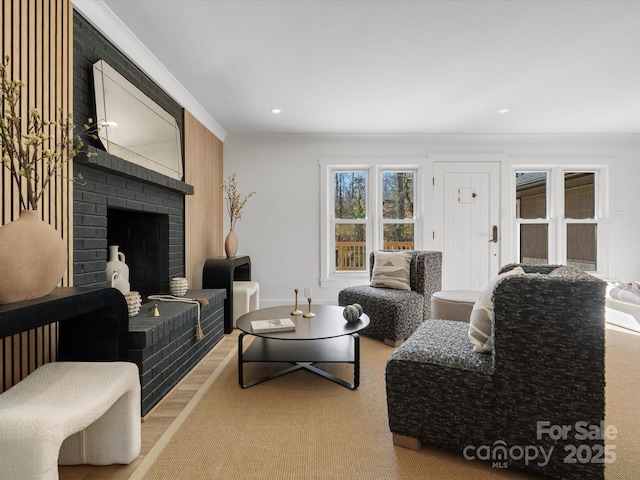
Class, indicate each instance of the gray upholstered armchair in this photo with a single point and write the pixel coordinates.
(396, 314)
(547, 365)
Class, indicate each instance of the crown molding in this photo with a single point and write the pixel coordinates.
(102, 18)
(440, 138)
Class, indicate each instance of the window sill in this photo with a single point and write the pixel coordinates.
(346, 281)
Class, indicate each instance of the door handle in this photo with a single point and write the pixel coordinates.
(494, 234)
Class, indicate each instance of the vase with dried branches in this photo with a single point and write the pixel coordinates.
(235, 203)
(34, 152)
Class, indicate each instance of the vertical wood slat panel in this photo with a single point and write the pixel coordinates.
(5, 178)
(66, 206)
(29, 76)
(48, 59)
(56, 190)
(203, 210)
(3, 373)
(18, 60)
(17, 348)
(37, 34)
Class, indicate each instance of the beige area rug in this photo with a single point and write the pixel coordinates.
(302, 426)
(623, 401)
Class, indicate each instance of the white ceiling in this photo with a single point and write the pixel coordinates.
(442, 67)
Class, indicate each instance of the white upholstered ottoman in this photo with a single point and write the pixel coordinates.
(453, 304)
(69, 413)
(246, 298)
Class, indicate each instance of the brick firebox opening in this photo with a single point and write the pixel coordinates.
(144, 240)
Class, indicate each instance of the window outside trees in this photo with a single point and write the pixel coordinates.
(350, 217)
(353, 222)
(397, 210)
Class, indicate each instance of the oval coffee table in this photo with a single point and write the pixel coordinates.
(325, 338)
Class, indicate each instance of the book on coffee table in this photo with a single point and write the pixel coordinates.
(274, 325)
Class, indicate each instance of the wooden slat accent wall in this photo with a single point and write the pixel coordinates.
(38, 35)
(204, 209)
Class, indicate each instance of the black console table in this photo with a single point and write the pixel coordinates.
(220, 272)
(93, 324)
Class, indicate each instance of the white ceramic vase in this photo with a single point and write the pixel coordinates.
(118, 282)
(117, 270)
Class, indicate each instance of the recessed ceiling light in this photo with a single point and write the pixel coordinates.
(275, 110)
(105, 123)
(503, 110)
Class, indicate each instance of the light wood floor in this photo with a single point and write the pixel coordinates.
(159, 419)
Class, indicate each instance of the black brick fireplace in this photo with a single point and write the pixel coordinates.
(119, 202)
(143, 212)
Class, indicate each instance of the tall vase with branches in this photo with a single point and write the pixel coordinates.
(235, 202)
(34, 150)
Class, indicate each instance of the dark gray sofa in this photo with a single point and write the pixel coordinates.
(547, 365)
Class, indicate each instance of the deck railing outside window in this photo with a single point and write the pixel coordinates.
(353, 255)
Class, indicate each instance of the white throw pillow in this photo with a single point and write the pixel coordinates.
(480, 320)
(391, 270)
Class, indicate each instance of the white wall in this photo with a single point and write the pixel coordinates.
(280, 227)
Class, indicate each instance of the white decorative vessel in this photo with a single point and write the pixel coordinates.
(134, 301)
(117, 270)
(117, 281)
(178, 286)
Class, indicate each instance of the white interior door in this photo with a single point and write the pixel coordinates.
(466, 222)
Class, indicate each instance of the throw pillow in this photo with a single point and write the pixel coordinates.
(568, 271)
(480, 320)
(391, 270)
